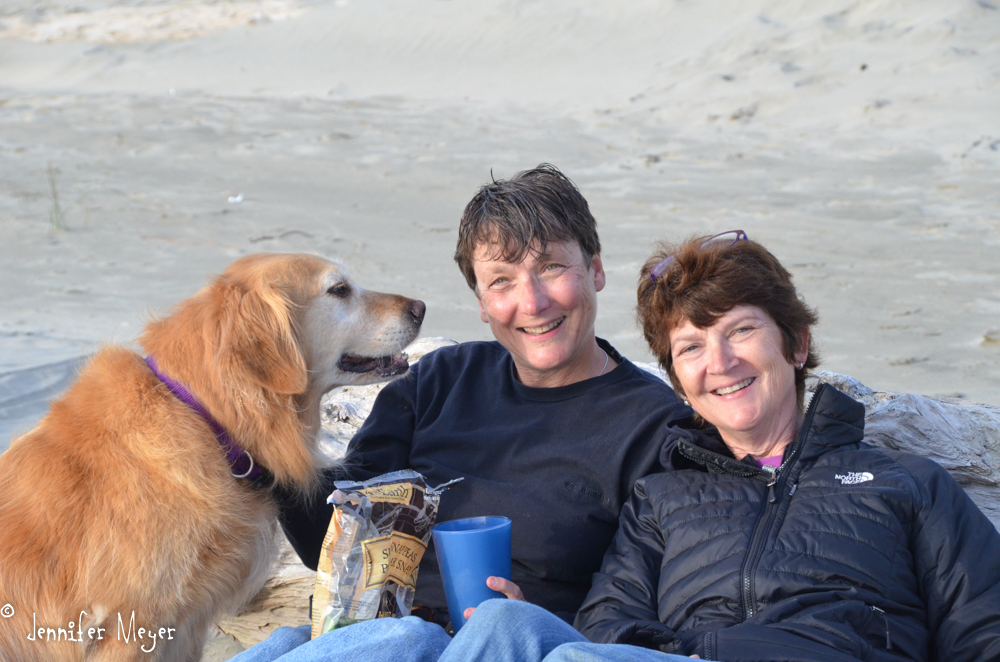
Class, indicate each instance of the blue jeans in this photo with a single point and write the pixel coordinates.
(511, 631)
(499, 631)
(407, 639)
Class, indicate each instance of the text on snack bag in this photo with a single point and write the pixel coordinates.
(393, 493)
(396, 557)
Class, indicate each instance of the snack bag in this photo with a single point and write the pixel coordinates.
(372, 550)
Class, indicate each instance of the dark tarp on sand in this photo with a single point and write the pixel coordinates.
(25, 395)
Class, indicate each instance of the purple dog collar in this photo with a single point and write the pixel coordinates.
(240, 463)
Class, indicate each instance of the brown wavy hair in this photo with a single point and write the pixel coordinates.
(701, 285)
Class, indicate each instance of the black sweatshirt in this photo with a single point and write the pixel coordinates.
(559, 462)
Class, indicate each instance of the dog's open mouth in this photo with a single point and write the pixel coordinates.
(383, 366)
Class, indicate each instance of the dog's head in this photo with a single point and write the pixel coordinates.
(298, 322)
(263, 342)
(356, 336)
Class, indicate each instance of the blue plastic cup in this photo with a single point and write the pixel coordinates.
(468, 551)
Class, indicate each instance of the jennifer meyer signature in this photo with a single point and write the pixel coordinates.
(142, 636)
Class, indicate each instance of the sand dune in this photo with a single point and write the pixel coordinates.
(117, 25)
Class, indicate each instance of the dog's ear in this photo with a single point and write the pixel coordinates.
(257, 338)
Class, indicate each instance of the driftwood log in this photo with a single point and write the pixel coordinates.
(961, 436)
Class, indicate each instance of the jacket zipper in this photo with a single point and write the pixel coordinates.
(885, 619)
(763, 526)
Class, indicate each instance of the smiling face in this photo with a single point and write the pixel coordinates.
(735, 375)
(542, 309)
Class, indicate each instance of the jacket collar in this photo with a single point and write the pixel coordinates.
(833, 420)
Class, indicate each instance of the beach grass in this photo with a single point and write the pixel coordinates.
(56, 218)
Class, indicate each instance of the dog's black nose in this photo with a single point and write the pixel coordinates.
(417, 310)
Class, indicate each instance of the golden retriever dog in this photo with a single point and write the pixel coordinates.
(127, 526)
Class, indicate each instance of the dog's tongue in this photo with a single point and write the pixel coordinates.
(383, 366)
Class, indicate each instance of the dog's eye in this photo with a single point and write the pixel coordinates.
(340, 290)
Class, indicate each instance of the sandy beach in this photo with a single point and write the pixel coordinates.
(145, 145)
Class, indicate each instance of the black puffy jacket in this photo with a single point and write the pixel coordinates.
(852, 553)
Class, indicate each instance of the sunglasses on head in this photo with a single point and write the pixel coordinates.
(725, 239)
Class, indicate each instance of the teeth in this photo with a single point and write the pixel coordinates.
(735, 387)
(538, 330)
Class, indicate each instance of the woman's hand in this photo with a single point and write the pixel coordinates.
(501, 585)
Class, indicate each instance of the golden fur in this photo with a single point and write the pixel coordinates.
(121, 501)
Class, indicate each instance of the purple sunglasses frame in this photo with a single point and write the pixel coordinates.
(656, 273)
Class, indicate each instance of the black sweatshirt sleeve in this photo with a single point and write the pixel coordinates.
(305, 519)
(380, 446)
(383, 442)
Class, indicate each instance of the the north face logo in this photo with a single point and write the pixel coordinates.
(854, 477)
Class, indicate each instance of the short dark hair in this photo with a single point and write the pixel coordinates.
(702, 284)
(508, 216)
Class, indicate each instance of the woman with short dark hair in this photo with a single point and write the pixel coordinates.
(549, 425)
